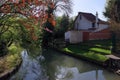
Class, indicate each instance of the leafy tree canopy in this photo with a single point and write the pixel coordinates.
(112, 10)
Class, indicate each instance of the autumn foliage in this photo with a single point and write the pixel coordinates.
(35, 10)
(39, 14)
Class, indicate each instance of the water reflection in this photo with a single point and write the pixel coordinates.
(61, 67)
(54, 66)
(30, 69)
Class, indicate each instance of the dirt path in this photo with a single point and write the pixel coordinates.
(112, 56)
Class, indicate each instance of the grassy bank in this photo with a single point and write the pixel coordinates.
(95, 50)
(11, 60)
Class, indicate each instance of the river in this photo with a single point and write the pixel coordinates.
(51, 65)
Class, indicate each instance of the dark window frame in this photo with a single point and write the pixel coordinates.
(93, 25)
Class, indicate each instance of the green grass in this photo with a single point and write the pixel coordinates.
(102, 51)
(101, 43)
(88, 54)
(90, 50)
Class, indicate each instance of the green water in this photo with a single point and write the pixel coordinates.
(52, 65)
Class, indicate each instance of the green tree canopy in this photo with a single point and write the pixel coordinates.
(112, 10)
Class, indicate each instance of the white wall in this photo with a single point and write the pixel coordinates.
(101, 27)
(83, 23)
(74, 36)
(67, 35)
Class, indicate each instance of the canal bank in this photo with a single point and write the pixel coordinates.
(11, 62)
(112, 63)
(94, 51)
(78, 56)
(6, 75)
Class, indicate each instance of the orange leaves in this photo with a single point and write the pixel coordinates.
(52, 5)
(23, 3)
(36, 2)
(5, 9)
(40, 3)
(54, 23)
(32, 9)
(32, 34)
(16, 1)
(51, 20)
(27, 26)
(35, 38)
(46, 16)
(30, 29)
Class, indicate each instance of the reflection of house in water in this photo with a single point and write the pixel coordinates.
(61, 67)
(74, 74)
(83, 71)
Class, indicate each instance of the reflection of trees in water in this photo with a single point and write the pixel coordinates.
(110, 76)
(64, 67)
(33, 51)
(53, 66)
(49, 64)
(30, 69)
(55, 63)
(64, 73)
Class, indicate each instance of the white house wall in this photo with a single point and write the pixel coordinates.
(82, 23)
(67, 35)
(101, 27)
(74, 36)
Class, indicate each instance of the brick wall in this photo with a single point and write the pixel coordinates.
(104, 34)
(85, 36)
(97, 36)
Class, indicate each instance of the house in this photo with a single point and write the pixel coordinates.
(90, 27)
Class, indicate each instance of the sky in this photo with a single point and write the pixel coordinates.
(90, 6)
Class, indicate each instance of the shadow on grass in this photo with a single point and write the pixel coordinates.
(90, 50)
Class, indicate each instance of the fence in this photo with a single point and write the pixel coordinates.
(95, 36)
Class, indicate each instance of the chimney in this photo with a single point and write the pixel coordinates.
(96, 20)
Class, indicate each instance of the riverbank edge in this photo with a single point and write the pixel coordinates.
(102, 64)
(8, 74)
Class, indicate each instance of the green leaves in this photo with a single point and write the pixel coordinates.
(112, 10)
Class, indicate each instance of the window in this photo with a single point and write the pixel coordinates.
(93, 25)
(98, 24)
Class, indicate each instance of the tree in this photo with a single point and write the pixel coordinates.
(5, 34)
(61, 26)
(64, 23)
(39, 12)
(10, 12)
(50, 22)
(112, 11)
(71, 24)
